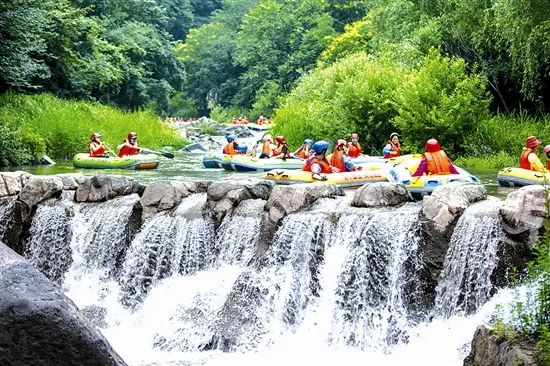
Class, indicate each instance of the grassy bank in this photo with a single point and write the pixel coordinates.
(33, 125)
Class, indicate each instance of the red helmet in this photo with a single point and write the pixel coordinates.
(532, 142)
(546, 149)
(95, 135)
(341, 142)
(280, 139)
(432, 145)
(132, 135)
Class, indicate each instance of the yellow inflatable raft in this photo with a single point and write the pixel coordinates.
(347, 179)
(519, 177)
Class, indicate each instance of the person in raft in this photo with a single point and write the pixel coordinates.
(129, 146)
(96, 147)
(340, 160)
(266, 147)
(393, 147)
(354, 148)
(317, 163)
(528, 158)
(231, 148)
(546, 150)
(304, 151)
(434, 161)
(282, 150)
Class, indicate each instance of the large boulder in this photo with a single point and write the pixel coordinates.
(490, 349)
(40, 188)
(166, 195)
(524, 210)
(223, 197)
(11, 183)
(381, 194)
(100, 188)
(71, 181)
(40, 325)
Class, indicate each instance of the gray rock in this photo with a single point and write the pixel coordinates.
(166, 195)
(40, 188)
(489, 349)
(524, 210)
(223, 197)
(41, 326)
(71, 181)
(381, 194)
(12, 183)
(101, 188)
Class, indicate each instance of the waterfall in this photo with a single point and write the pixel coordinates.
(6, 208)
(464, 284)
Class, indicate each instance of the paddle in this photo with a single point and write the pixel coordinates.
(109, 150)
(165, 154)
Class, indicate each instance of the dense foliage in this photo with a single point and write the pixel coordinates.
(31, 126)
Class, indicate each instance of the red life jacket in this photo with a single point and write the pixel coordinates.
(98, 152)
(524, 159)
(128, 149)
(337, 161)
(279, 150)
(303, 152)
(354, 150)
(325, 165)
(395, 150)
(229, 149)
(438, 163)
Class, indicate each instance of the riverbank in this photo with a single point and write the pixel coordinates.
(34, 125)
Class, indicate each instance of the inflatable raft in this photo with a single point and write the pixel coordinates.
(347, 179)
(257, 127)
(519, 177)
(140, 161)
(245, 163)
(424, 185)
(212, 160)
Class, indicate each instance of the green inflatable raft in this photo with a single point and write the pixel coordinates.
(139, 161)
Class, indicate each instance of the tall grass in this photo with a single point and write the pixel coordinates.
(64, 127)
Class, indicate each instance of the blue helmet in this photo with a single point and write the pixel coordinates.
(230, 138)
(320, 146)
(308, 142)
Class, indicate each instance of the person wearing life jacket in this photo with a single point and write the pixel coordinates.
(304, 151)
(528, 158)
(339, 159)
(434, 161)
(317, 163)
(129, 146)
(282, 150)
(546, 151)
(393, 147)
(231, 148)
(354, 148)
(266, 147)
(96, 147)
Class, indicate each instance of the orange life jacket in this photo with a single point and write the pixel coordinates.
(524, 159)
(98, 152)
(279, 150)
(548, 164)
(337, 160)
(354, 150)
(266, 148)
(325, 165)
(128, 149)
(438, 163)
(229, 149)
(395, 150)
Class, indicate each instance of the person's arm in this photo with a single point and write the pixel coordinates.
(421, 168)
(316, 172)
(350, 167)
(386, 150)
(536, 164)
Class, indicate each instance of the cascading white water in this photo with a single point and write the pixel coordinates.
(464, 284)
(6, 207)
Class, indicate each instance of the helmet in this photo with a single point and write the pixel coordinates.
(308, 142)
(341, 142)
(320, 147)
(280, 139)
(230, 138)
(532, 142)
(432, 145)
(95, 135)
(393, 134)
(267, 138)
(132, 135)
(546, 149)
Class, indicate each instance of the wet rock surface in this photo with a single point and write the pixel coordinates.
(381, 194)
(99, 188)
